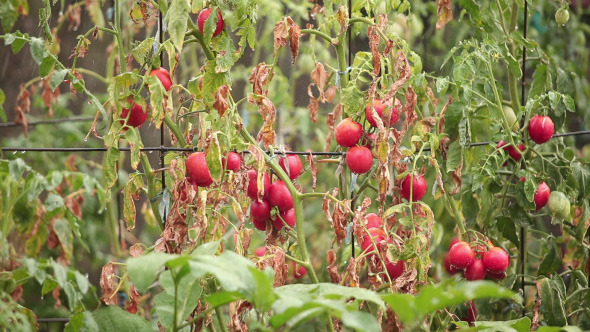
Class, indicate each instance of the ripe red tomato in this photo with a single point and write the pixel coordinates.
(496, 275)
(394, 269)
(449, 267)
(136, 118)
(287, 216)
(294, 163)
(298, 271)
(496, 260)
(419, 187)
(197, 170)
(233, 160)
(279, 196)
(379, 106)
(461, 255)
(348, 133)
(512, 152)
(260, 251)
(378, 235)
(164, 76)
(541, 128)
(260, 210)
(542, 195)
(204, 15)
(475, 271)
(260, 224)
(359, 159)
(372, 220)
(253, 184)
(453, 241)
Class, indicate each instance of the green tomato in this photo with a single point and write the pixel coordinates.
(511, 117)
(562, 16)
(559, 205)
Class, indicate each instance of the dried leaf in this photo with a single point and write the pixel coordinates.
(332, 267)
(313, 109)
(220, 103)
(136, 250)
(133, 300)
(374, 40)
(279, 265)
(281, 31)
(294, 35)
(342, 17)
(259, 79)
(108, 284)
(445, 13)
(267, 134)
(320, 76)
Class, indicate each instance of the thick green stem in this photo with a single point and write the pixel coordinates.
(274, 165)
(341, 56)
(208, 53)
(118, 35)
(175, 131)
(318, 33)
(152, 190)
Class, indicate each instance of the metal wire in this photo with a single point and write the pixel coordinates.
(301, 153)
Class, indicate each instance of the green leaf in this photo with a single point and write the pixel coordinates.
(82, 322)
(142, 270)
(110, 167)
(136, 144)
(551, 262)
(360, 321)
(188, 291)
(53, 201)
(508, 229)
(177, 17)
(48, 285)
(552, 303)
(157, 94)
(8, 15)
(454, 156)
(46, 66)
(38, 51)
(442, 84)
(57, 78)
(541, 81)
(112, 318)
(62, 228)
(437, 297)
(2, 113)
(213, 158)
(517, 325)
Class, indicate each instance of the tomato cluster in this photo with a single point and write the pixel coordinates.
(375, 240)
(476, 262)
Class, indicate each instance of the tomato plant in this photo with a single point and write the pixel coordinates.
(313, 161)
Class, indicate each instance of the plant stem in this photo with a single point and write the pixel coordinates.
(152, 190)
(118, 35)
(318, 33)
(220, 320)
(175, 130)
(208, 53)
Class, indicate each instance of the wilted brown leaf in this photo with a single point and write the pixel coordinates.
(266, 134)
(280, 266)
(281, 31)
(342, 17)
(445, 13)
(332, 267)
(313, 109)
(330, 121)
(133, 300)
(108, 284)
(220, 103)
(319, 76)
(312, 162)
(259, 79)
(374, 40)
(294, 35)
(136, 250)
